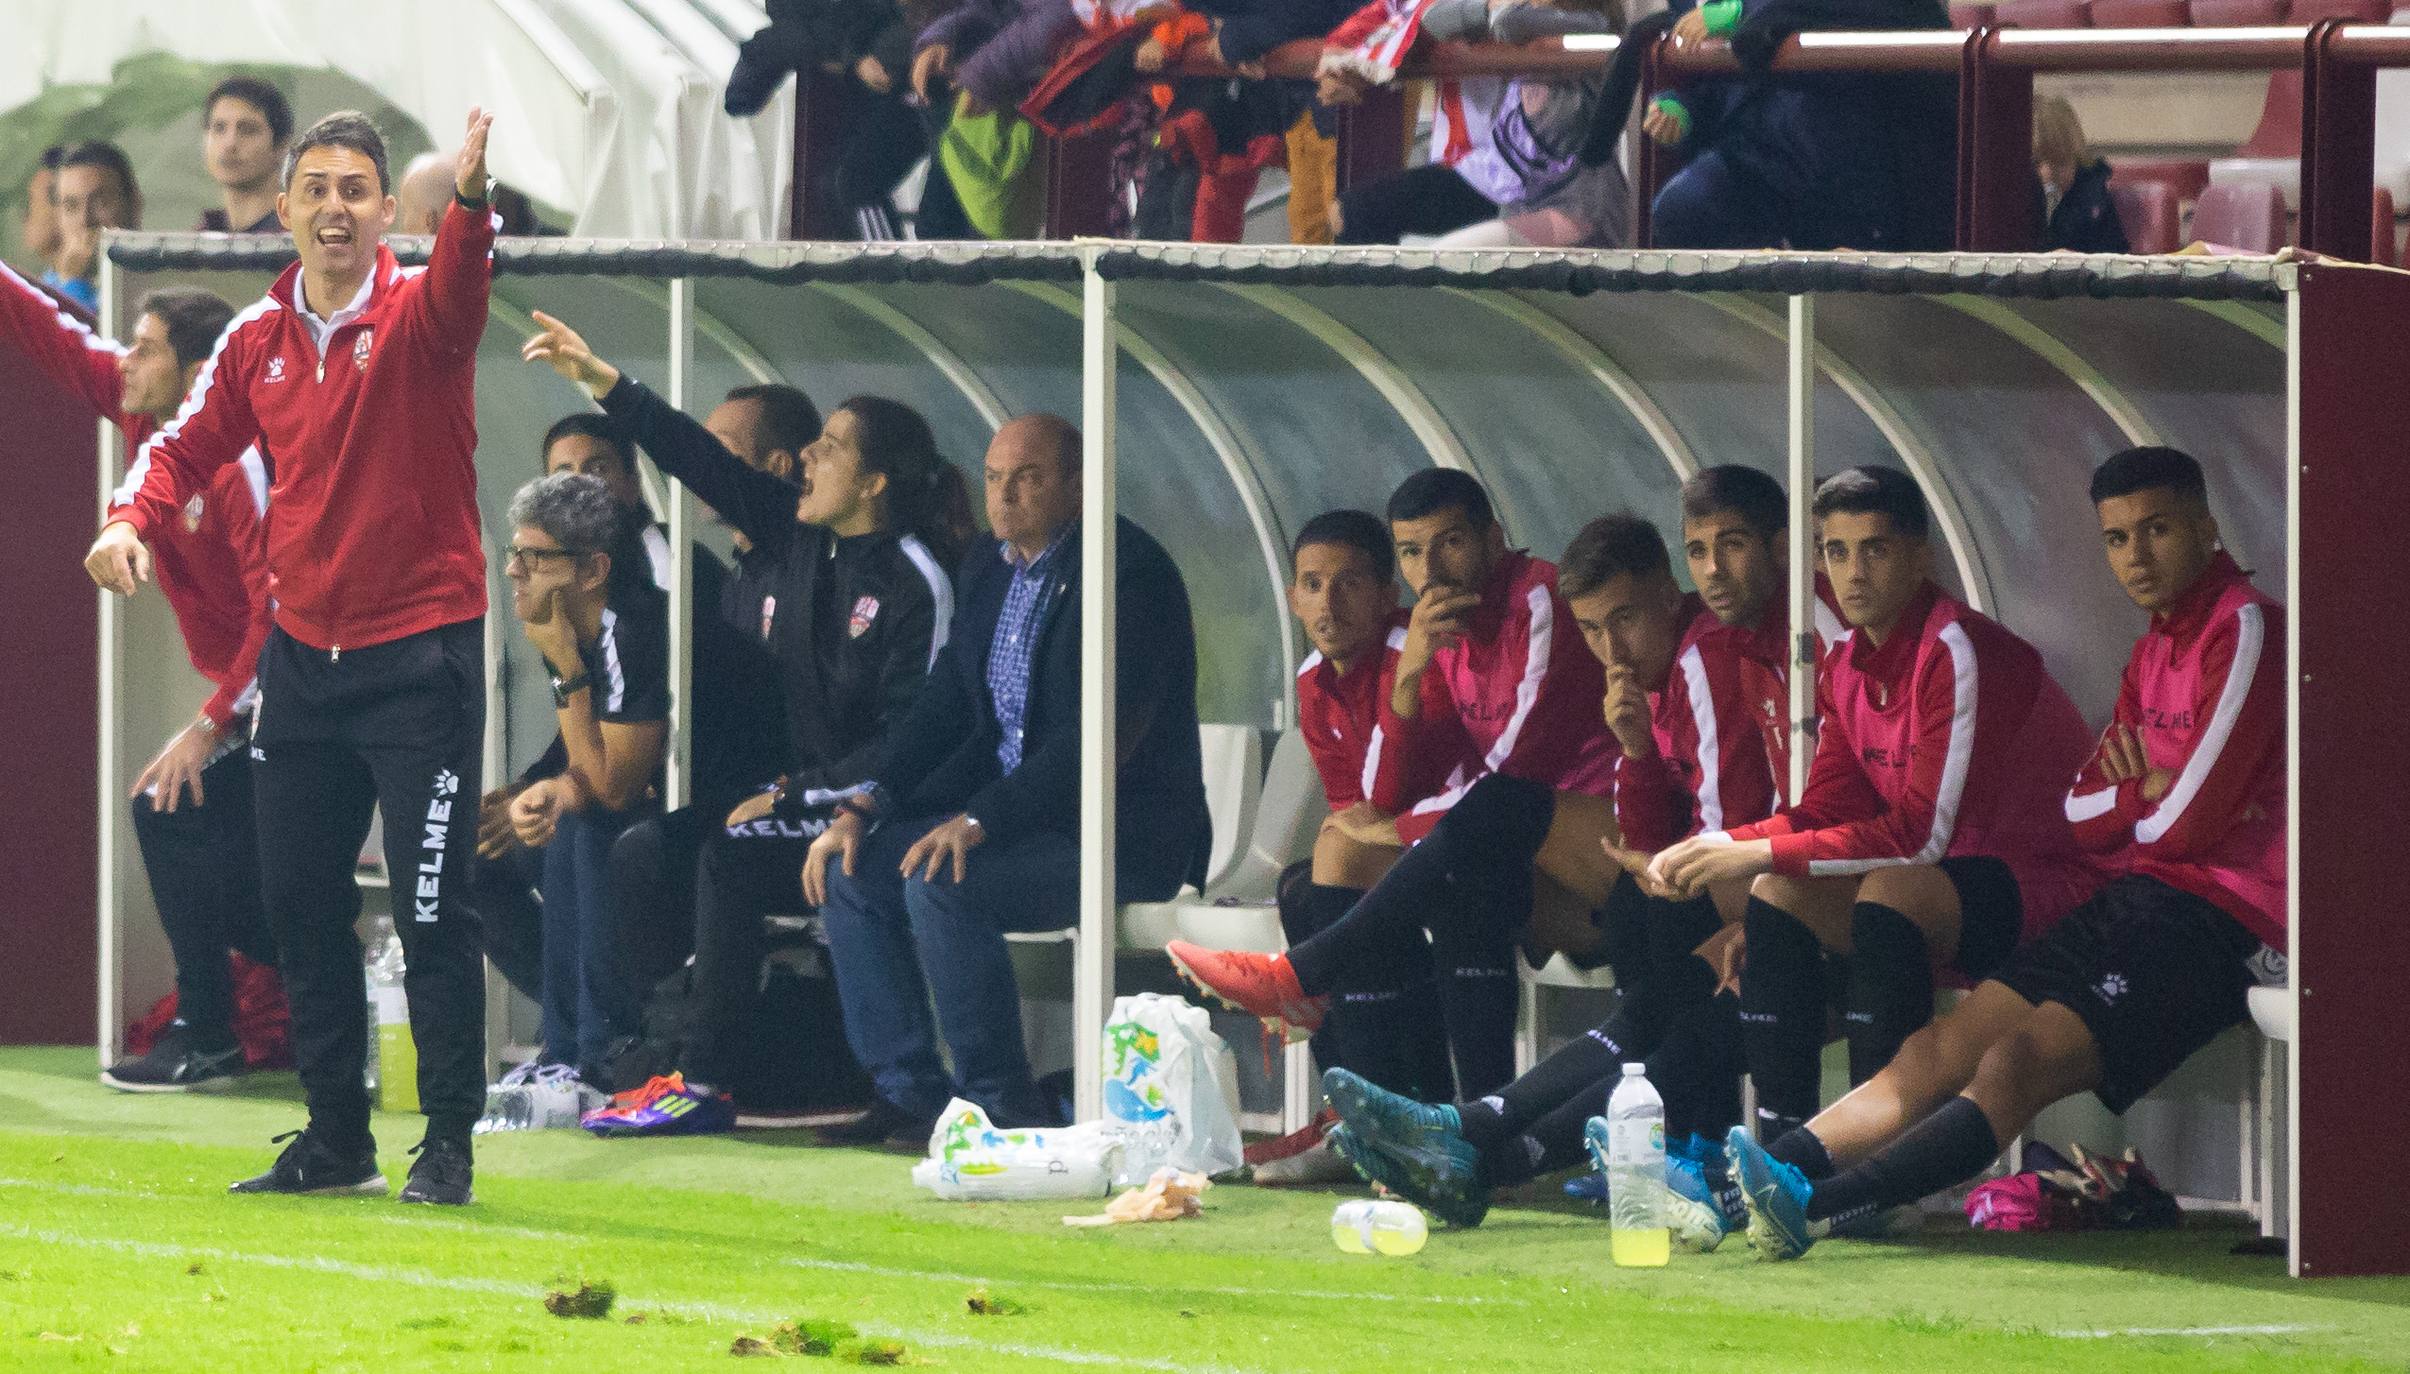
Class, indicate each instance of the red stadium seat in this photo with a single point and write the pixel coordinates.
(2244, 215)
(2279, 131)
(2380, 230)
(2046, 14)
(2140, 14)
(2355, 11)
(2233, 13)
(2184, 178)
(1973, 16)
(2147, 209)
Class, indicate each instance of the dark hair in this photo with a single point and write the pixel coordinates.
(52, 156)
(342, 129)
(1746, 492)
(193, 318)
(102, 153)
(783, 417)
(260, 96)
(1870, 490)
(2141, 469)
(592, 426)
(1433, 490)
(926, 496)
(1354, 529)
(1608, 548)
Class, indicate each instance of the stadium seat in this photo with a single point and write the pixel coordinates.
(2147, 209)
(2183, 177)
(2225, 14)
(2046, 14)
(2272, 1012)
(2272, 155)
(2351, 11)
(1973, 16)
(2381, 241)
(2140, 14)
(2244, 215)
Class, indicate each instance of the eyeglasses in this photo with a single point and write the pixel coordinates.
(526, 556)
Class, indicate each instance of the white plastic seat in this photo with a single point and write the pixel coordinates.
(2266, 1142)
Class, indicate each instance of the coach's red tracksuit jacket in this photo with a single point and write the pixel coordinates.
(1519, 694)
(1941, 743)
(1338, 715)
(211, 559)
(1727, 699)
(370, 446)
(2204, 690)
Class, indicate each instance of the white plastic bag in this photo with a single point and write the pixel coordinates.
(970, 1160)
(1171, 1086)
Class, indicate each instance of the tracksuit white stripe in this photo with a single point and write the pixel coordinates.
(2249, 639)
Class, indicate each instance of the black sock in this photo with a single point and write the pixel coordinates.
(1483, 1122)
(1782, 1013)
(1550, 1145)
(1391, 1039)
(1890, 987)
(1478, 997)
(1949, 1147)
(1697, 1070)
(1800, 1148)
(1307, 908)
(1578, 1069)
(1378, 927)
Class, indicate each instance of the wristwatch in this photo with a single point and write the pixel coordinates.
(564, 688)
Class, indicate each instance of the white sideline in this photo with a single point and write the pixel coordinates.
(710, 1311)
(2121, 1331)
(415, 1219)
(1099, 1286)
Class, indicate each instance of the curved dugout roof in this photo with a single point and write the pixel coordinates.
(1260, 386)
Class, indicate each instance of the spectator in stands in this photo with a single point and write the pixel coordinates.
(1490, 694)
(2185, 800)
(1810, 162)
(605, 644)
(2078, 213)
(971, 62)
(192, 803)
(864, 48)
(245, 125)
(857, 612)
(1343, 591)
(38, 229)
(1930, 835)
(96, 191)
(967, 826)
(1514, 176)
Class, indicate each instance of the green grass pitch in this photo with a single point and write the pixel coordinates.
(120, 1250)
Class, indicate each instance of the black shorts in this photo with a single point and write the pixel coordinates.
(1991, 912)
(2152, 971)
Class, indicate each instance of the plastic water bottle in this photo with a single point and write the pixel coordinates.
(380, 931)
(1379, 1226)
(391, 1050)
(1636, 1172)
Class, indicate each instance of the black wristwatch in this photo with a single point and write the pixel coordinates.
(564, 688)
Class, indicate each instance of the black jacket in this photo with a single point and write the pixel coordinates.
(2086, 217)
(853, 623)
(943, 758)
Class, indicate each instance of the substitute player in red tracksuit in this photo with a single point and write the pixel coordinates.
(1493, 691)
(1343, 591)
(192, 804)
(357, 380)
(1930, 833)
(2185, 801)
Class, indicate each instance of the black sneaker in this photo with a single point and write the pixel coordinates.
(308, 1166)
(884, 1126)
(176, 1065)
(441, 1173)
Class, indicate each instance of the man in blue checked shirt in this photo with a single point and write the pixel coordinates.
(970, 826)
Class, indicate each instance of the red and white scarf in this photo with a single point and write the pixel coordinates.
(1378, 58)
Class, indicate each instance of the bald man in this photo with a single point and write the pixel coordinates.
(424, 190)
(968, 826)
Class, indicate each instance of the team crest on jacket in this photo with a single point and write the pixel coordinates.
(769, 614)
(192, 514)
(359, 349)
(866, 610)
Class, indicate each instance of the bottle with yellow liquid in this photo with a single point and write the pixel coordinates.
(393, 1053)
(1640, 1236)
(1379, 1226)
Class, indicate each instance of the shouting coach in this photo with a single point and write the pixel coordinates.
(356, 380)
